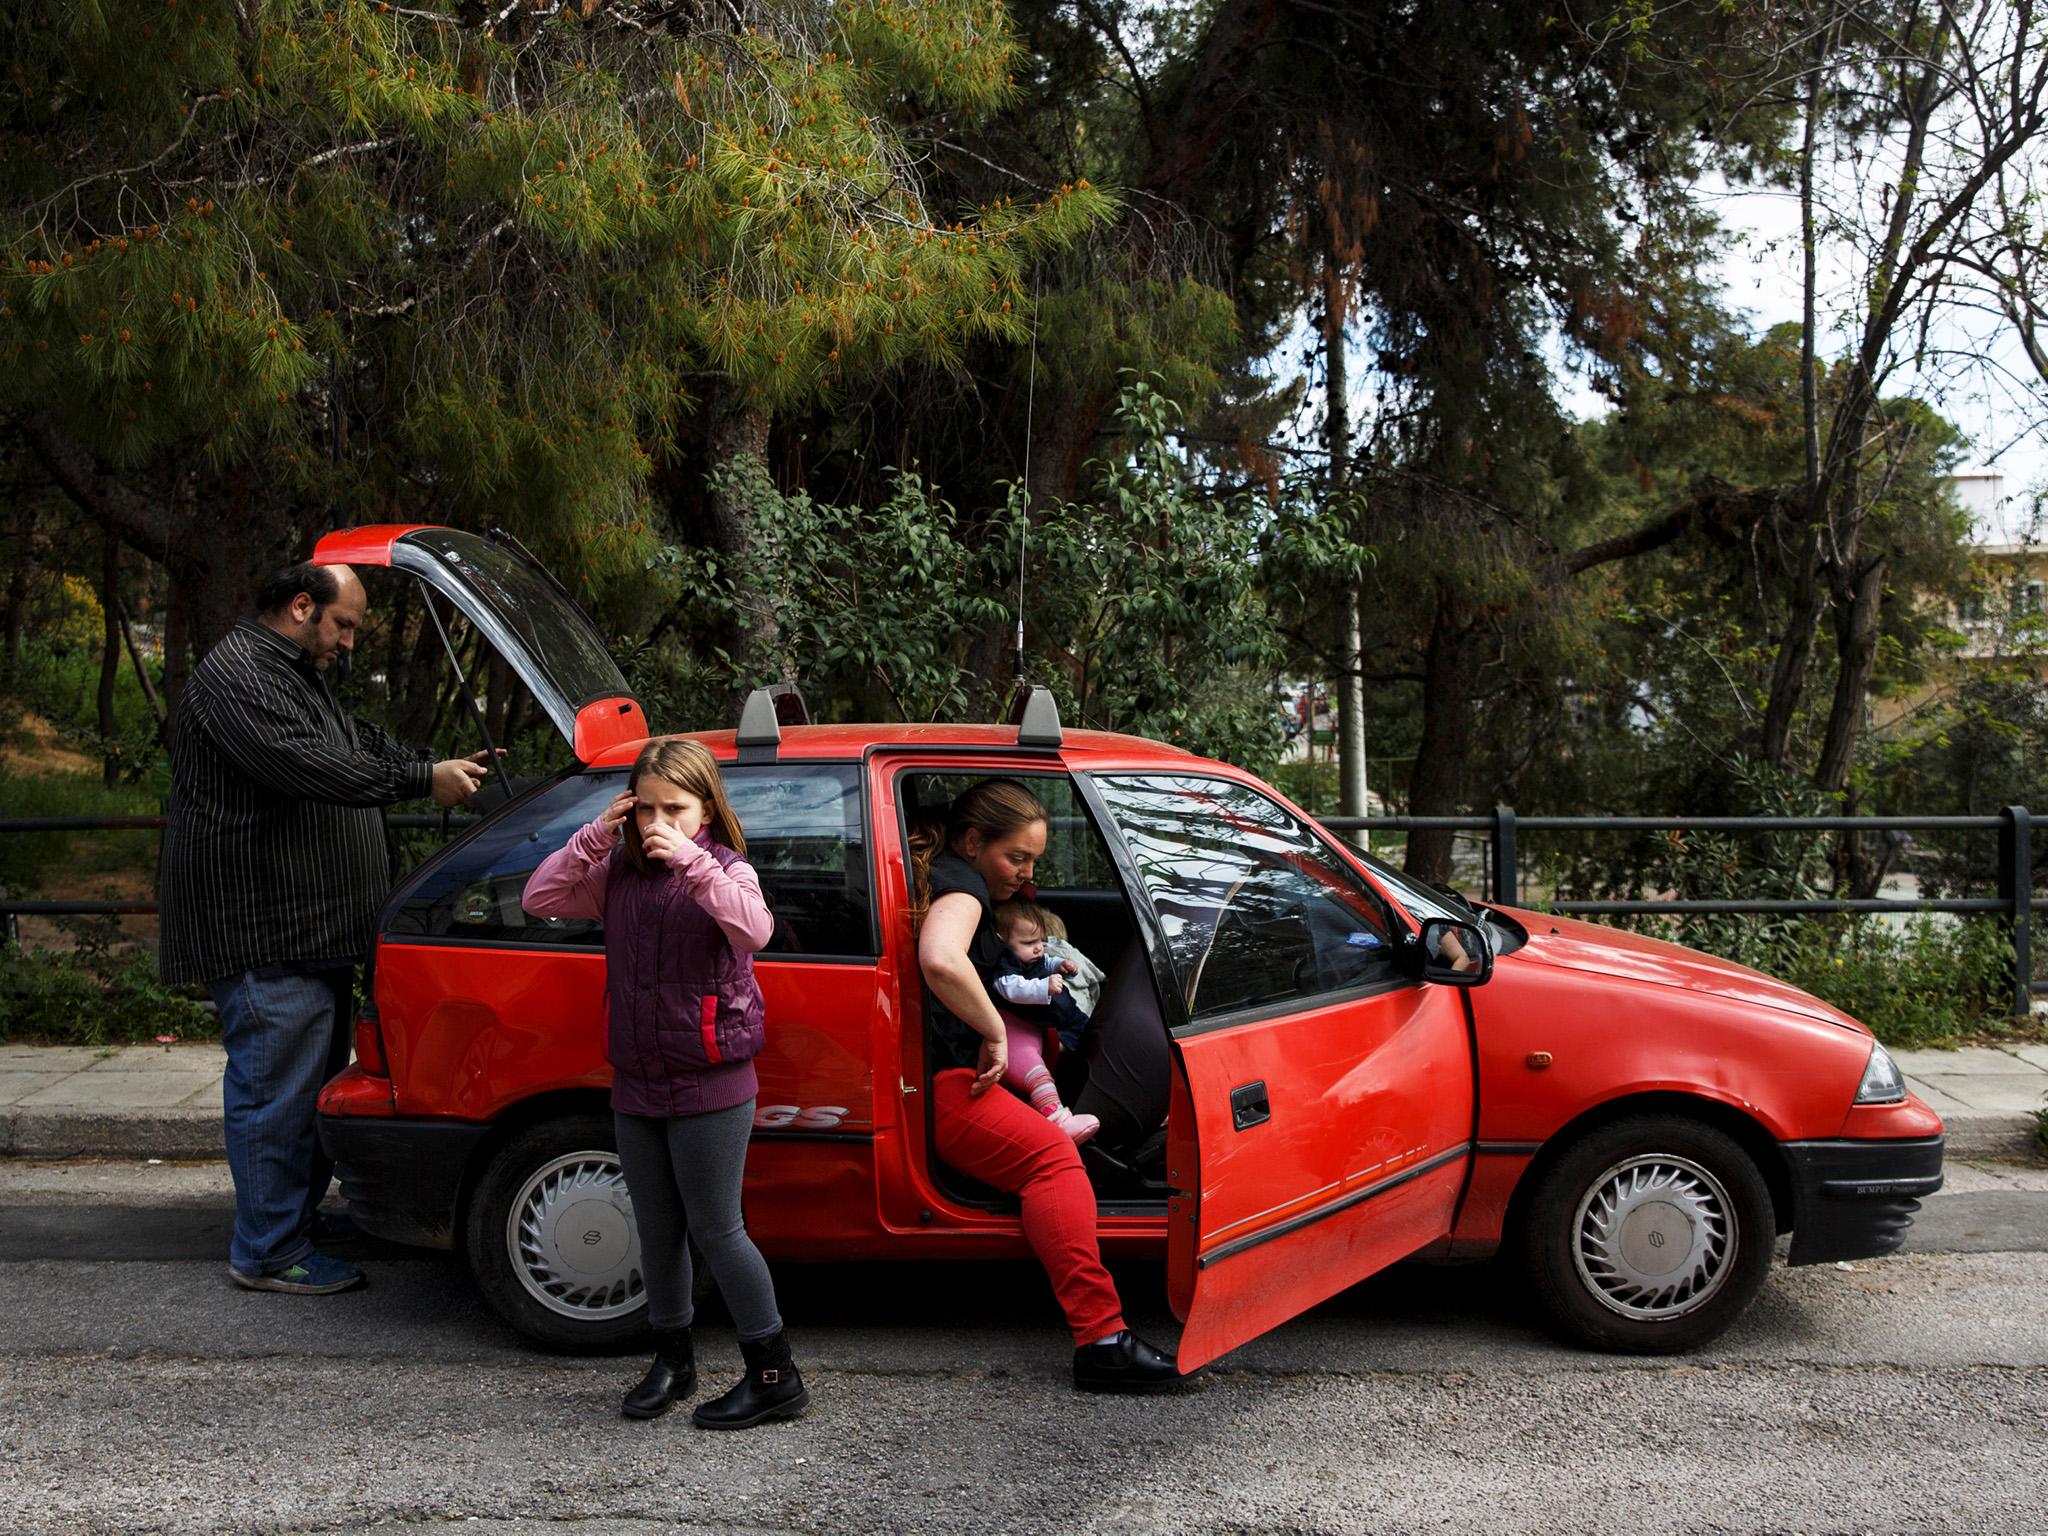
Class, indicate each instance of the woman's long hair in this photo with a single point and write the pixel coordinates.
(994, 808)
(689, 766)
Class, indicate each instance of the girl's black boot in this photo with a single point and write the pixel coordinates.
(671, 1378)
(771, 1389)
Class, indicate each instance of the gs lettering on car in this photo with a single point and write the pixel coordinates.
(1308, 1066)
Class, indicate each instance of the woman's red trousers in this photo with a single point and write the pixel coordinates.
(1001, 1140)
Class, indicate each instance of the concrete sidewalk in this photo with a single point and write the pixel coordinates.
(164, 1100)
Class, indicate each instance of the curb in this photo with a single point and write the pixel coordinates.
(2010, 1138)
(174, 1135)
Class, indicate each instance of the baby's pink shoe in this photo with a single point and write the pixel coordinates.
(1080, 1127)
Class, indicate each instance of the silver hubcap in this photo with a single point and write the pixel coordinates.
(1654, 1238)
(571, 1238)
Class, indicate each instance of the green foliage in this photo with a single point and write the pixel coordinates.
(99, 993)
(1930, 982)
(867, 607)
(61, 684)
(496, 256)
(1157, 601)
(1148, 607)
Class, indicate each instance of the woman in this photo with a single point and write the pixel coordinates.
(665, 868)
(993, 835)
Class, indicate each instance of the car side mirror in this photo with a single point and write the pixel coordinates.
(1451, 953)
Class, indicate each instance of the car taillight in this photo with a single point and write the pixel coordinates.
(370, 1042)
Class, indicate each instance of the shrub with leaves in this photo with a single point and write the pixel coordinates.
(101, 992)
(1148, 607)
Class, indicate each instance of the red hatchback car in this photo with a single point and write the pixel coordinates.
(1298, 1087)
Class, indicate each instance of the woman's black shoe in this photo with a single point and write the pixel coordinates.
(771, 1389)
(671, 1378)
(1124, 1364)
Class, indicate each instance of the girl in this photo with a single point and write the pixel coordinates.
(664, 868)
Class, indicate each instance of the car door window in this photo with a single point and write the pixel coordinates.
(807, 840)
(1257, 909)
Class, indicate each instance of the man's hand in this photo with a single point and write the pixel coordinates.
(457, 778)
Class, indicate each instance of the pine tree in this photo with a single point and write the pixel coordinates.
(268, 265)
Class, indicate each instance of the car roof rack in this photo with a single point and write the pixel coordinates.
(1036, 716)
(766, 712)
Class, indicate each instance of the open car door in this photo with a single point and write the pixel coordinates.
(522, 611)
(1321, 1114)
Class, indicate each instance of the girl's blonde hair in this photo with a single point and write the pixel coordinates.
(689, 766)
(994, 808)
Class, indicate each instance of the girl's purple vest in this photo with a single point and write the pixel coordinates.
(683, 1013)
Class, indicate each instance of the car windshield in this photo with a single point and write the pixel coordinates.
(1421, 902)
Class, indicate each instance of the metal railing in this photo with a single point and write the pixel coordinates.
(2015, 902)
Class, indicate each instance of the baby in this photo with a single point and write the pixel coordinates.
(1028, 977)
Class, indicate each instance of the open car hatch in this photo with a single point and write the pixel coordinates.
(522, 611)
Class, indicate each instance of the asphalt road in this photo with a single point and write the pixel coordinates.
(139, 1392)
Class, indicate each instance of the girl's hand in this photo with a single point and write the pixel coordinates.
(660, 843)
(614, 816)
(1068, 968)
(995, 1061)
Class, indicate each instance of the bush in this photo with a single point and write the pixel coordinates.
(1931, 983)
(62, 685)
(97, 994)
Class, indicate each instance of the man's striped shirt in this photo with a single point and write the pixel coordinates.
(274, 852)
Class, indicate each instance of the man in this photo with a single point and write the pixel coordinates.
(274, 868)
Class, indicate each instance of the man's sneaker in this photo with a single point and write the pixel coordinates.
(330, 1228)
(314, 1275)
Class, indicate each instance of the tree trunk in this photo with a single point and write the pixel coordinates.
(142, 678)
(1437, 787)
(1795, 645)
(19, 583)
(738, 428)
(110, 654)
(1856, 633)
(1337, 439)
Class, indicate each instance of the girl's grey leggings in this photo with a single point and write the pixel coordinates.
(684, 1172)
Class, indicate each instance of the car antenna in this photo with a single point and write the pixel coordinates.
(1024, 522)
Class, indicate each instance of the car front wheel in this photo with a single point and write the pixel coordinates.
(1649, 1235)
(551, 1240)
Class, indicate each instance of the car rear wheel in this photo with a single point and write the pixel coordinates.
(551, 1240)
(1649, 1235)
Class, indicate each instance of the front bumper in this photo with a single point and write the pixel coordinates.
(402, 1178)
(1855, 1199)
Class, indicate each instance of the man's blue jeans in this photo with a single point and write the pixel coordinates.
(287, 1031)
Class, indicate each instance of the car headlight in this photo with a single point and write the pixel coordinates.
(1881, 1083)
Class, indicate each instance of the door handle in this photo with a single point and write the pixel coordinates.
(1249, 1106)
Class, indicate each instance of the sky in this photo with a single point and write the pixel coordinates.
(1987, 395)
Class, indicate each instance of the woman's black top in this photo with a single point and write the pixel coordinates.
(949, 1040)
